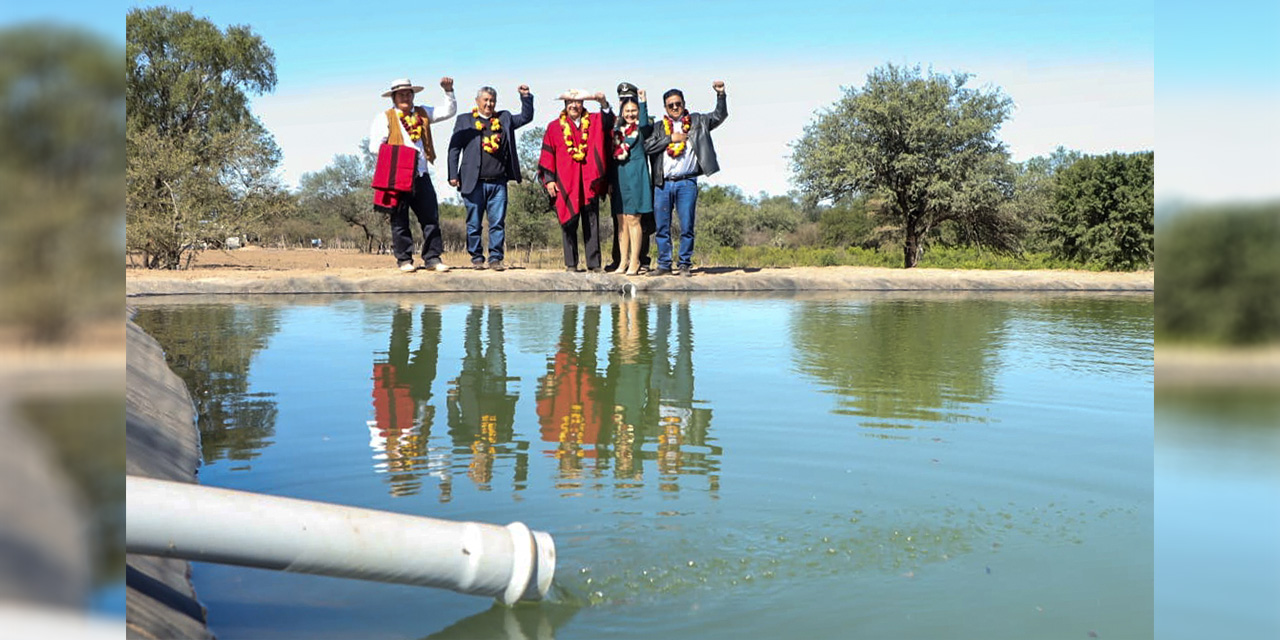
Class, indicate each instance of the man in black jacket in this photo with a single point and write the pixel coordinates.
(680, 150)
(486, 143)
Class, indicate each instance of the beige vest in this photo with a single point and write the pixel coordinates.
(394, 137)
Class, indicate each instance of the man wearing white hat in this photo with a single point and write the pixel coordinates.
(573, 169)
(409, 125)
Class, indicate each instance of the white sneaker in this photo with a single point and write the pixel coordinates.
(439, 266)
(408, 267)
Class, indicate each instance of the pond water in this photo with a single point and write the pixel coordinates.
(1217, 536)
(881, 465)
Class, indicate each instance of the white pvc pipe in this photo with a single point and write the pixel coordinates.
(207, 524)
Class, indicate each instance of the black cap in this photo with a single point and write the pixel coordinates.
(627, 90)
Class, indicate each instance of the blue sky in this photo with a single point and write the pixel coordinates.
(1218, 86)
(1082, 74)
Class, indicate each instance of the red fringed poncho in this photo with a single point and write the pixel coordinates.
(578, 182)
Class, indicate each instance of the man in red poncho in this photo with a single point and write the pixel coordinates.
(574, 170)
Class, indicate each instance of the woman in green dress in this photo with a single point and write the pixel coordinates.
(632, 185)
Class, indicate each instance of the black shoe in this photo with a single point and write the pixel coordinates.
(660, 272)
(611, 267)
(571, 269)
(497, 266)
(593, 269)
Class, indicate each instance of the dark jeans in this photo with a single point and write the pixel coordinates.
(424, 205)
(646, 230)
(590, 219)
(490, 198)
(683, 195)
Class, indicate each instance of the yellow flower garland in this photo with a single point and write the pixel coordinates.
(489, 143)
(413, 125)
(675, 149)
(577, 152)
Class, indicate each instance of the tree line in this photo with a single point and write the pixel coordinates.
(905, 169)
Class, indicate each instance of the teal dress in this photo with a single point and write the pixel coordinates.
(631, 177)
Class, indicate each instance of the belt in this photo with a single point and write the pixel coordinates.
(687, 176)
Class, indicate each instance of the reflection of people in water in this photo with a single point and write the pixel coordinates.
(401, 402)
(568, 396)
(481, 411)
(679, 422)
(629, 370)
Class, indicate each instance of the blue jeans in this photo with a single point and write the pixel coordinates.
(489, 197)
(683, 194)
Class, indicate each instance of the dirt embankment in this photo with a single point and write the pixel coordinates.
(277, 271)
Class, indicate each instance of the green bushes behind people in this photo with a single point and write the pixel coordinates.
(1220, 275)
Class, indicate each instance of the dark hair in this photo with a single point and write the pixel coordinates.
(625, 99)
(672, 92)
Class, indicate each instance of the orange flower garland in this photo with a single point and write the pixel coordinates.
(577, 151)
(413, 125)
(675, 149)
(490, 142)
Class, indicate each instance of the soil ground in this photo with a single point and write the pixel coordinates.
(255, 263)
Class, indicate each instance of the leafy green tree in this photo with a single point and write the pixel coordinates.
(723, 213)
(925, 143)
(199, 167)
(531, 217)
(341, 191)
(1104, 211)
(61, 120)
(776, 214)
(1218, 275)
(849, 221)
(1034, 185)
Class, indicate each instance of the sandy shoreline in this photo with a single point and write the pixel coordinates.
(300, 271)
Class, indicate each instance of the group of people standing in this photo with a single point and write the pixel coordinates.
(647, 167)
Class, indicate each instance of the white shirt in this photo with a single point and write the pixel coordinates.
(683, 165)
(378, 131)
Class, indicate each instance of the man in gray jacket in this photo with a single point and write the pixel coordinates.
(680, 150)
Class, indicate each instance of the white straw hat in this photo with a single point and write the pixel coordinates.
(401, 83)
(576, 94)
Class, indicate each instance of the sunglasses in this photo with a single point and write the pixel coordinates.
(674, 105)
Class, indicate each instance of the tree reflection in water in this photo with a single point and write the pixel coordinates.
(211, 347)
(899, 362)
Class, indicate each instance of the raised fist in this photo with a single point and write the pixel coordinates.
(718, 85)
(446, 83)
(523, 89)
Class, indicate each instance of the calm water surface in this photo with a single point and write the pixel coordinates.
(1217, 536)
(870, 466)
